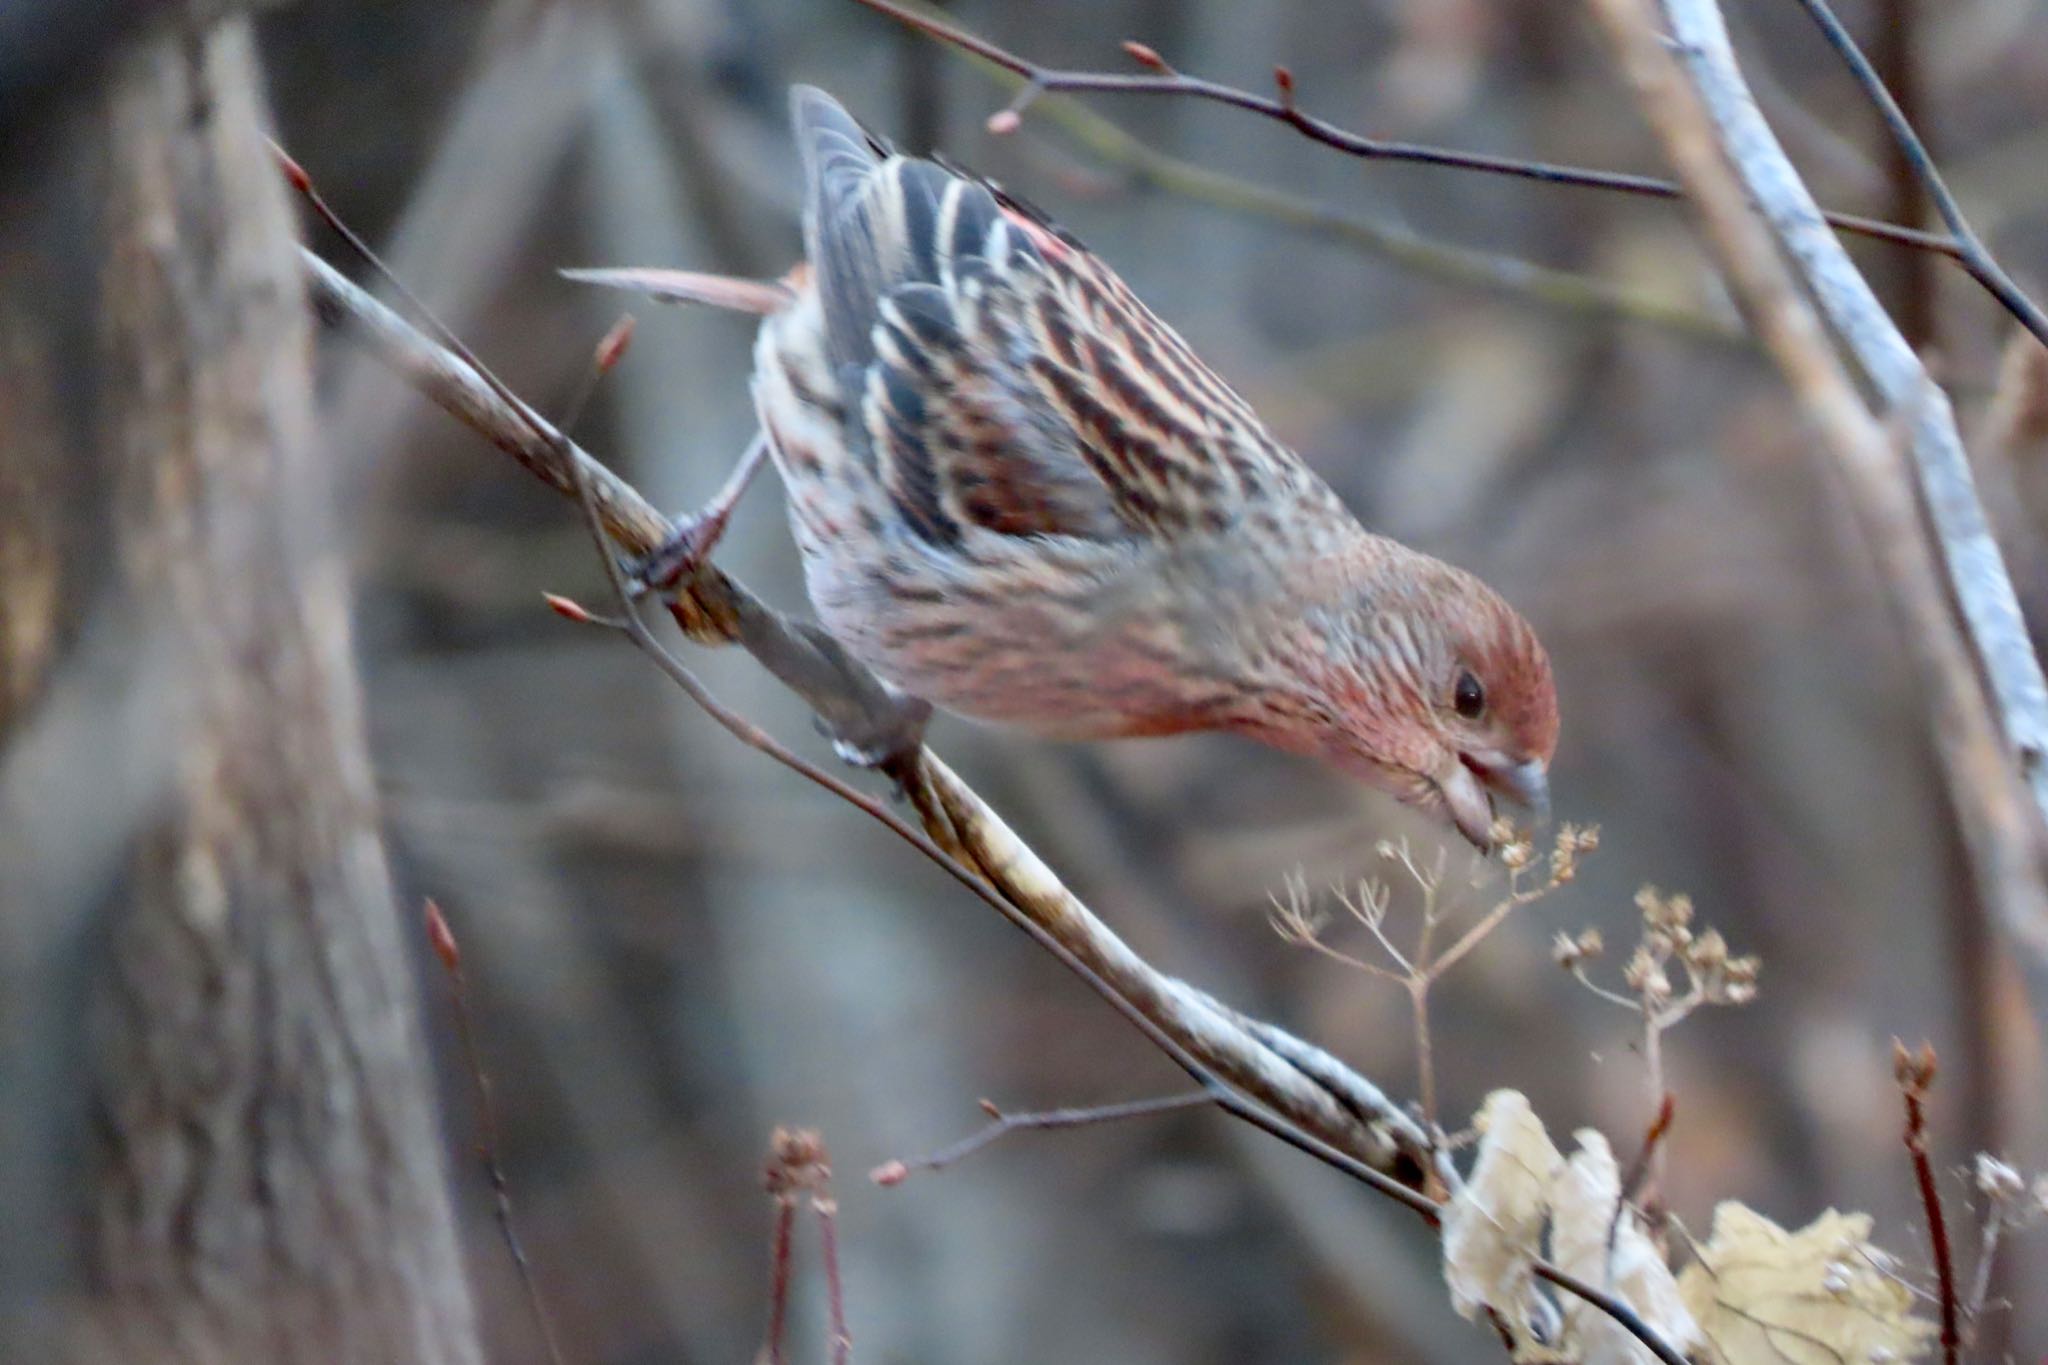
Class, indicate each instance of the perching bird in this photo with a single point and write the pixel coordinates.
(1020, 496)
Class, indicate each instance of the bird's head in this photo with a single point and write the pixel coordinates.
(1417, 677)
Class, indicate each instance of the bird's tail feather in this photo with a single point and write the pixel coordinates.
(689, 286)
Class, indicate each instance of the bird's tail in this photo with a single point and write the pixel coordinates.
(688, 286)
(838, 157)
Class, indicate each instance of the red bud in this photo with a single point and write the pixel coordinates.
(567, 608)
(294, 173)
(442, 939)
(1145, 56)
(1284, 79)
(615, 342)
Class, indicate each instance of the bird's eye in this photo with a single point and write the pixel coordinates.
(1470, 697)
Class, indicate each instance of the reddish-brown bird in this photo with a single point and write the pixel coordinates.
(1020, 496)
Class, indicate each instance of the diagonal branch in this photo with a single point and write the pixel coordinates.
(1258, 1073)
(1348, 1118)
(1963, 247)
(1745, 195)
(1144, 166)
(1971, 251)
(1283, 109)
(1976, 573)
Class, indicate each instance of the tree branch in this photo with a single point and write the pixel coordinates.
(1566, 291)
(1749, 201)
(1976, 574)
(1281, 1084)
(1971, 251)
(966, 837)
(1283, 109)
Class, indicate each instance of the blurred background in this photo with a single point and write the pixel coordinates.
(673, 945)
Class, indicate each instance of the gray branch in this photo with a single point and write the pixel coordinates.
(1294, 1079)
(1975, 572)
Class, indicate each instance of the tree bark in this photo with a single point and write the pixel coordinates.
(266, 1181)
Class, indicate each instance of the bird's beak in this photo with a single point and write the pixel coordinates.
(1467, 780)
(1471, 810)
(1526, 784)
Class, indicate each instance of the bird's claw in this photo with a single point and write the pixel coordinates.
(696, 534)
(883, 742)
(677, 558)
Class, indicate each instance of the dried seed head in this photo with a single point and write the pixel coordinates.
(1914, 1070)
(1645, 976)
(797, 1161)
(1573, 953)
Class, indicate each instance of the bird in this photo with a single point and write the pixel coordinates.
(1021, 497)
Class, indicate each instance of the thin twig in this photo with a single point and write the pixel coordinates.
(441, 938)
(1640, 1170)
(1987, 1262)
(1285, 110)
(781, 1241)
(1971, 251)
(1614, 1306)
(1915, 1074)
(827, 1210)
(798, 1166)
(1899, 44)
(1001, 1125)
(1146, 167)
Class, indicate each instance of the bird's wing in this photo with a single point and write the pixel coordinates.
(1006, 378)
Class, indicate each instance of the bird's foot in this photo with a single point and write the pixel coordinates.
(883, 739)
(696, 534)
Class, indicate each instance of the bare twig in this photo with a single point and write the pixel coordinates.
(1900, 40)
(781, 1243)
(799, 1167)
(1283, 108)
(841, 1340)
(1614, 1306)
(1146, 167)
(1749, 199)
(1642, 1169)
(1915, 1074)
(441, 938)
(1987, 1263)
(1971, 251)
(1001, 1125)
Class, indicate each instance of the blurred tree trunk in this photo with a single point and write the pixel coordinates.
(265, 1180)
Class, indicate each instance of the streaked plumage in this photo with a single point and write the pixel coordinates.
(1019, 495)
